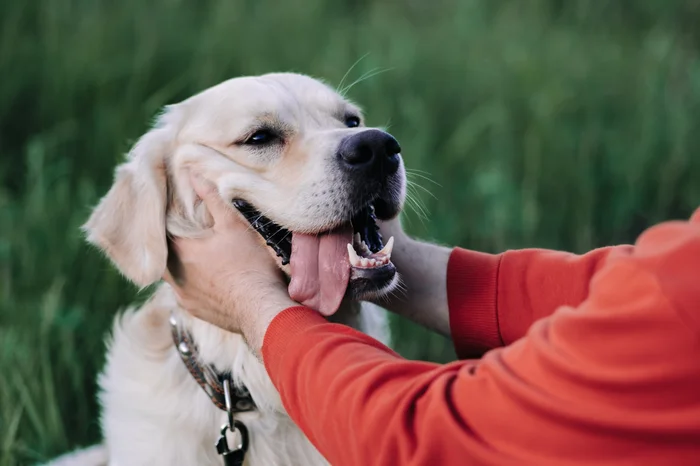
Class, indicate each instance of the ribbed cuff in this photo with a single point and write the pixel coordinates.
(282, 330)
(472, 285)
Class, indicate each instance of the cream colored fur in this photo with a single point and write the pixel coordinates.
(153, 412)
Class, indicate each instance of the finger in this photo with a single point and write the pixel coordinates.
(222, 213)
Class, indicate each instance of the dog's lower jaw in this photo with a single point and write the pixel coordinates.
(155, 413)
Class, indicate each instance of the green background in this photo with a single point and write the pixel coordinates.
(531, 123)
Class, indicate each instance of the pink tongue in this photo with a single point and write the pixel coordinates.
(320, 269)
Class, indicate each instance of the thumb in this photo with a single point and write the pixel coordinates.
(222, 213)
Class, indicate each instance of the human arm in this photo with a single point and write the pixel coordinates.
(608, 381)
(481, 300)
(422, 268)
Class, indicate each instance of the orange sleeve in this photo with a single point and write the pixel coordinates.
(494, 299)
(612, 381)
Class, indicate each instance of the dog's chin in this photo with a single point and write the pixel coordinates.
(372, 284)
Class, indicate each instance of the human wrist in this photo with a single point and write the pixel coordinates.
(403, 257)
(261, 311)
(422, 267)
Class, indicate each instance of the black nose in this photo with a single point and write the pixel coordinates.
(372, 151)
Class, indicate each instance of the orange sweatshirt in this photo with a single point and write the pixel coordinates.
(594, 359)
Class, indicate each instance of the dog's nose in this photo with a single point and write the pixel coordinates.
(371, 151)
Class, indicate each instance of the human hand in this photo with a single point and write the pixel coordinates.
(393, 227)
(422, 268)
(227, 277)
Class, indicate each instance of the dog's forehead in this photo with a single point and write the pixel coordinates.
(281, 94)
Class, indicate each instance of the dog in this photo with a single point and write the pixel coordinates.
(295, 158)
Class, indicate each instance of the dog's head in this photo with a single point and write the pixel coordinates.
(293, 156)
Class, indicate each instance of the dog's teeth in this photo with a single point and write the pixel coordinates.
(352, 255)
(358, 238)
(377, 260)
(386, 250)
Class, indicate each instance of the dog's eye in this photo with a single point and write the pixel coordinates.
(261, 137)
(352, 121)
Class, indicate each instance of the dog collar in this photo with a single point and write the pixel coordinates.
(215, 384)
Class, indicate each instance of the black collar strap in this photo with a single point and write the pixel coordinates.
(211, 381)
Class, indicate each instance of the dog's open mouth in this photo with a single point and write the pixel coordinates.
(351, 260)
(367, 250)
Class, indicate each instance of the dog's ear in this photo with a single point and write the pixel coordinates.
(128, 224)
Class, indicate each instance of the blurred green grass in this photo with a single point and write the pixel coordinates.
(542, 123)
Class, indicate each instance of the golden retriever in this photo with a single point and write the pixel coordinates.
(295, 157)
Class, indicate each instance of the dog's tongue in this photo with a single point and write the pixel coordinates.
(320, 269)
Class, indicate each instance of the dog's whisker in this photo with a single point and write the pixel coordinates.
(418, 170)
(264, 213)
(370, 74)
(269, 222)
(417, 185)
(342, 81)
(400, 291)
(283, 238)
(425, 177)
(400, 285)
(413, 201)
(420, 213)
(411, 188)
(420, 216)
(384, 299)
(362, 77)
(411, 204)
(261, 215)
